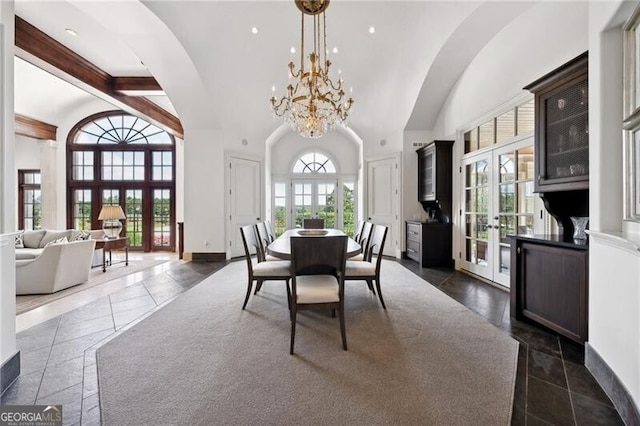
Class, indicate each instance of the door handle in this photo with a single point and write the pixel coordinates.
(257, 218)
(368, 218)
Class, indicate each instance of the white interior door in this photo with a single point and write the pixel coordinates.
(382, 198)
(245, 207)
(499, 201)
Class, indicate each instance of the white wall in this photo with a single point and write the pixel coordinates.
(614, 265)
(7, 186)
(27, 153)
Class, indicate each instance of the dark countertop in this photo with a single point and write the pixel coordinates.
(554, 240)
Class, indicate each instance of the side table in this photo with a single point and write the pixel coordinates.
(108, 244)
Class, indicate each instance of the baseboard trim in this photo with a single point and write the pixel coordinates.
(9, 372)
(205, 257)
(612, 385)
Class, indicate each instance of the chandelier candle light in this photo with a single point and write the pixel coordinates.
(313, 104)
(110, 217)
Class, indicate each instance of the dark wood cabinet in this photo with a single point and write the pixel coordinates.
(549, 277)
(434, 178)
(429, 243)
(562, 127)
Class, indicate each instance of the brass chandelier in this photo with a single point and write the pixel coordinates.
(313, 104)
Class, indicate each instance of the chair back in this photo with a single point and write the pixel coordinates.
(251, 244)
(378, 237)
(263, 236)
(313, 223)
(365, 237)
(318, 255)
(356, 237)
(272, 235)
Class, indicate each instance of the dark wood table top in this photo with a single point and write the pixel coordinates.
(281, 247)
(112, 243)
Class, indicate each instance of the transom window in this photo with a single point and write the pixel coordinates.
(120, 159)
(515, 122)
(314, 162)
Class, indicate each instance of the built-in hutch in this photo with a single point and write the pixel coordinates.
(429, 242)
(549, 273)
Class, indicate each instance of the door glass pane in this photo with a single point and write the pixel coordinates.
(279, 208)
(505, 258)
(133, 211)
(161, 218)
(302, 199)
(507, 198)
(348, 208)
(326, 207)
(477, 212)
(82, 209)
(507, 167)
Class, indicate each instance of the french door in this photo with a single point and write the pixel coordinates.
(314, 199)
(498, 201)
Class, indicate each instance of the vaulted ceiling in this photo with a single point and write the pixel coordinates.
(217, 73)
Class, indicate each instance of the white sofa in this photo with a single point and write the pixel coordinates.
(43, 268)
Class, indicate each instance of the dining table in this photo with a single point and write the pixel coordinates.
(281, 246)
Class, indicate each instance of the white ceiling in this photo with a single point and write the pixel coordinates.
(216, 73)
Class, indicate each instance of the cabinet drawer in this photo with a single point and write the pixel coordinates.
(413, 250)
(413, 233)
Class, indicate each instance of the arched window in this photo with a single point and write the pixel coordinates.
(314, 162)
(115, 158)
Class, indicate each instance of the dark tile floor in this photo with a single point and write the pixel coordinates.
(552, 384)
(59, 366)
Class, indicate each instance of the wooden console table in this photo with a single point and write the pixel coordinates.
(108, 244)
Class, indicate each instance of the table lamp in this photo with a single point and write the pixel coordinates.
(110, 217)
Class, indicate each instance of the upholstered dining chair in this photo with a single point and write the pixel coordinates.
(317, 278)
(313, 223)
(260, 270)
(369, 269)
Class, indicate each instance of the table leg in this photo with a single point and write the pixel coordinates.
(104, 260)
(126, 256)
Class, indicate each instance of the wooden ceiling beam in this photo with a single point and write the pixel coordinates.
(136, 84)
(33, 128)
(61, 61)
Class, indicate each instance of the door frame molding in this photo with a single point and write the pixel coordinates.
(228, 155)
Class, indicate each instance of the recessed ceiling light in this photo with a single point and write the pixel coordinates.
(335, 50)
(292, 50)
(254, 30)
(372, 29)
(71, 32)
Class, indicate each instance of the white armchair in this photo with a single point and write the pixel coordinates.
(58, 267)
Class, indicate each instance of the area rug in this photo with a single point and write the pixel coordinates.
(201, 360)
(96, 278)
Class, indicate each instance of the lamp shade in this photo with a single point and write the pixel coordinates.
(111, 213)
(110, 217)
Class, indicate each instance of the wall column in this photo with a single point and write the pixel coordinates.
(48, 185)
(9, 357)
